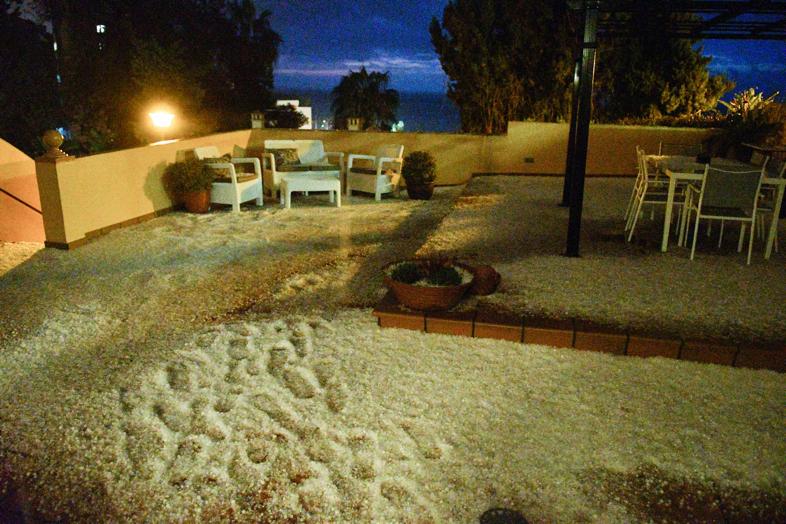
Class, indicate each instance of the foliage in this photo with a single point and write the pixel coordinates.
(188, 176)
(436, 272)
(506, 60)
(419, 168)
(750, 118)
(210, 60)
(28, 90)
(285, 117)
(366, 95)
(159, 73)
(744, 104)
(513, 60)
(444, 276)
(652, 75)
(407, 272)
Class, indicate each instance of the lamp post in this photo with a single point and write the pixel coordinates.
(161, 120)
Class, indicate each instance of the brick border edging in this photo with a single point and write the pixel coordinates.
(581, 335)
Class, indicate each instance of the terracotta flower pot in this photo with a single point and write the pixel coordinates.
(420, 192)
(197, 201)
(428, 298)
(486, 280)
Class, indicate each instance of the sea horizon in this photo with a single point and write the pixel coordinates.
(426, 111)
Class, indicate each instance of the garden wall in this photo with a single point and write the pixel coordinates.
(88, 196)
(19, 220)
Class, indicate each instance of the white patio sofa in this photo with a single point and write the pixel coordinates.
(311, 159)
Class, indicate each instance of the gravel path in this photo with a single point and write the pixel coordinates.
(227, 368)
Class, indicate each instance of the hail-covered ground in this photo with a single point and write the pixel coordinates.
(226, 368)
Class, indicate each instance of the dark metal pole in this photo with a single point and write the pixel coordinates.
(582, 125)
(571, 137)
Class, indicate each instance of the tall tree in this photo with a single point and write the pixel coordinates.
(365, 95)
(211, 59)
(652, 75)
(506, 60)
(513, 60)
(28, 89)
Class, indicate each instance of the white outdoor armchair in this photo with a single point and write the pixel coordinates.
(380, 174)
(233, 188)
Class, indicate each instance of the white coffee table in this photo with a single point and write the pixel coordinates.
(328, 183)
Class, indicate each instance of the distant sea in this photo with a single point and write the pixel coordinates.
(418, 111)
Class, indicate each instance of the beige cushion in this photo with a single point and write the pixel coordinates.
(285, 157)
(366, 170)
(240, 178)
(291, 168)
(322, 167)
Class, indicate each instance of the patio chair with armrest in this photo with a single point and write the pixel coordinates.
(381, 176)
(727, 195)
(232, 187)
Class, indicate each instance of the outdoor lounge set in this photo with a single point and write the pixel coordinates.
(709, 189)
(303, 166)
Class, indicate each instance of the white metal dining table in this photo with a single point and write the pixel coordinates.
(682, 169)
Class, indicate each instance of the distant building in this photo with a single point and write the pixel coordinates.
(304, 110)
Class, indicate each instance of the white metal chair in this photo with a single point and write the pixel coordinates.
(774, 168)
(726, 195)
(233, 187)
(655, 182)
(646, 191)
(382, 176)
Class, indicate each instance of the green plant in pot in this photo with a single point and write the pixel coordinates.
(419, 172)
(428, 284)
(190, 182)
(751, 118)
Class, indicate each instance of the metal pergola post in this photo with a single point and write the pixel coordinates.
(578, 162)
(571, 136)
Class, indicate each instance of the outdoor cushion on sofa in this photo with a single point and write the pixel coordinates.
(291, 168)
(322, 167)
(285, 157)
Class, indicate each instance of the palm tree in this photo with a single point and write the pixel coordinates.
(365, 95)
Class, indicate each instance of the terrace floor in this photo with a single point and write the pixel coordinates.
(225, 367)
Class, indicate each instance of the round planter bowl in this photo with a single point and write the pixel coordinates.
(420, 192)
(197, 201)
(428, 298)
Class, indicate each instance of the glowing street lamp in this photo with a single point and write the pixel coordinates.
(161, 120)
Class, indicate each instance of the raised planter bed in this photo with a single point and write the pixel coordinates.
(580, 334)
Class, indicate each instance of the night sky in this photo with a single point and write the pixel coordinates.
(324, 39)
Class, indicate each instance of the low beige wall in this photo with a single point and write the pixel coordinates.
(18, 222)
(86, 195)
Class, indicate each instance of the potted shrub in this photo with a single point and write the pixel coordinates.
(427, 284)
(419, 172)
(190, 182)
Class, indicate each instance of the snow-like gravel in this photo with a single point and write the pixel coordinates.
(226, 368)
(514, 224)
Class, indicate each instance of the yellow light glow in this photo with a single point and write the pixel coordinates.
(161, 118)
